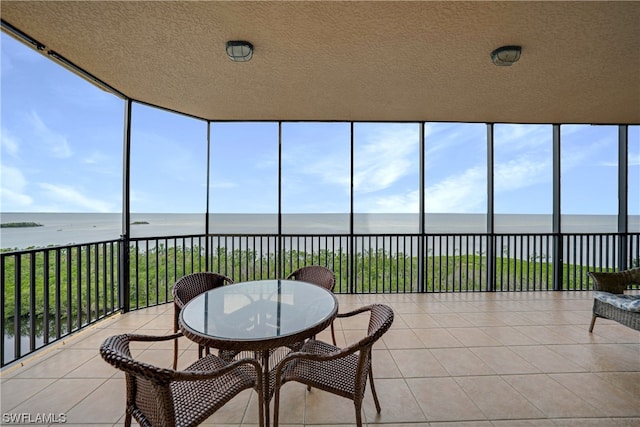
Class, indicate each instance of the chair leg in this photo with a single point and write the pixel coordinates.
(175, 354)
(276, 407)
(373, 391)
(593, 323)
(127, 419)
(176, 326)
(358, 413)
(333, 334)
(261, 409)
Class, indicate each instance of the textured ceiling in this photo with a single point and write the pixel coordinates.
(370, 60)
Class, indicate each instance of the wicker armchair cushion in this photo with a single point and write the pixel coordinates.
(622, 301)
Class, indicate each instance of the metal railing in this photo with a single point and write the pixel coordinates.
(49, 293)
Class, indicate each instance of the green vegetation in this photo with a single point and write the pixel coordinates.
(80, 283)
(20, 225)
(139, 222)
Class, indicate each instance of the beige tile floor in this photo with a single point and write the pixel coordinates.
(506, 359)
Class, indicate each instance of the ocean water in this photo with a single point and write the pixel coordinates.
(72, 228)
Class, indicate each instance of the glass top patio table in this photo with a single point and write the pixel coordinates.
(258, 315)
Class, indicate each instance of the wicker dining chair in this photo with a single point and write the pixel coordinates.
(158, 396)
(187, 288)
(341, 371)
(318, 275)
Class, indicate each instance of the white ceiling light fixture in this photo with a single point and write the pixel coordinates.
(506, 55)
(239, 50)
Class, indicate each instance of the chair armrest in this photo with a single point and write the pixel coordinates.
(199, 375)
(139, 337)
(354, 312)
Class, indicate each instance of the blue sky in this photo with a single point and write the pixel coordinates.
(61, 151)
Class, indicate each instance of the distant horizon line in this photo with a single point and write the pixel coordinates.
(302, 213)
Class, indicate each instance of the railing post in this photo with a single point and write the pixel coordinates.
(124, 290)
(123, 285)
(206, 217)
(351, 284)
(558, 261)
(32, 302)
(623, 196)
(280, 250)
(422, 280)
(2, 307)
(17, 306)
(558, 247)
(2, 302)
(491, 244)
(491, 262)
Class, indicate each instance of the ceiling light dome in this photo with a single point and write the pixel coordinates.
(506, 55)
(239, 50)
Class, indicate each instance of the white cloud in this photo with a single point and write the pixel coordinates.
(381, 159)
(8, 143)
(442, 144)
(382, 162)
(101, 163)
(522, 172)
(441, 139)
(12, 190)
(13, 201)
(632, 158)
(330, 170)
(168, 158)
(56, 143)
(95, 158)
(397, 203)
(466, 192)
(462, 193)
(74, 200)
(521, 135)
(571, 129)
(588, 152)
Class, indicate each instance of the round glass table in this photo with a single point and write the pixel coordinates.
(258, 316)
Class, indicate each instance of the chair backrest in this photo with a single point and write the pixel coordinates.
(148, 390)
(316, 274)
(380, 320)
(615, 282)
(194, 284)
